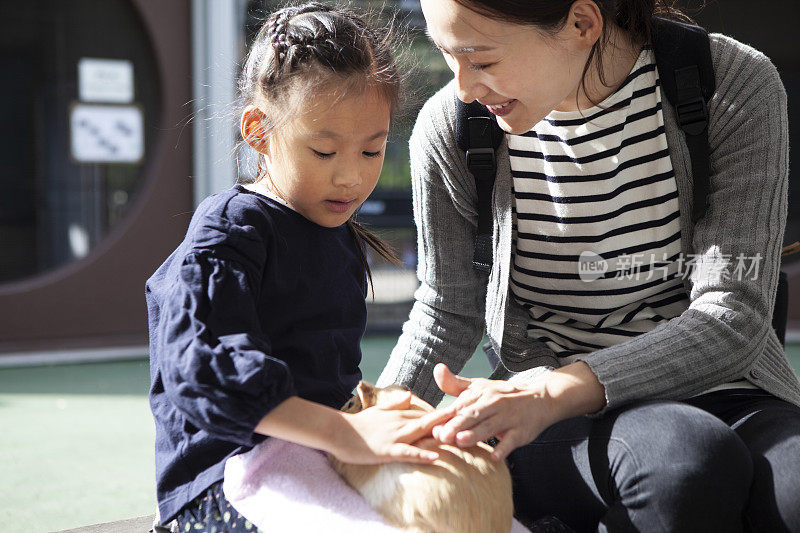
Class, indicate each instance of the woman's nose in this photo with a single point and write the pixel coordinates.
(469, 88)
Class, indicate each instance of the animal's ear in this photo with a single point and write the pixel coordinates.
(366, 394)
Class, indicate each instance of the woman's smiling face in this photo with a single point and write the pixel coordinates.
(517, 71)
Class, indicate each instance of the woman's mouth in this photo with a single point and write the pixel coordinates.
(503, 108)
(340, 206)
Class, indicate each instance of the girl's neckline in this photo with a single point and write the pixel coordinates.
(281, 203)
(251, 187)
(611, 99)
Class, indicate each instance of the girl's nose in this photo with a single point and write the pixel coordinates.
(346, 180)
(347, 175)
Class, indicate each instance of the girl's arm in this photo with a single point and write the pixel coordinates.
(374, 435)
(213, 361)
(217, 370)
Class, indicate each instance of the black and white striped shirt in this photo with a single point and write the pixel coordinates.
(595, 189)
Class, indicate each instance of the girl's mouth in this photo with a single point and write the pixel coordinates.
(339, 206)
(502, 109)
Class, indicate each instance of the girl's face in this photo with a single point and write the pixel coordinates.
(519, 73)
(326, 162)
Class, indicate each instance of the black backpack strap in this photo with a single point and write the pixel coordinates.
(478, 134)
(683, 56)
(780, 313)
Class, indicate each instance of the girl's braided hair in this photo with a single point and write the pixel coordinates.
(301, 51)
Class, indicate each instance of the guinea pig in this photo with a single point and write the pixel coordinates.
(463, 491)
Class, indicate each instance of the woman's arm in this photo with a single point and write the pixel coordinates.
(446, 322)
(728, 322)
(515, 411)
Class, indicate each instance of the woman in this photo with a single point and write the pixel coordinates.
(695, 424)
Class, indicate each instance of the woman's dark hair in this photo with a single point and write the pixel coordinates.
(303, 50)
(635, 17)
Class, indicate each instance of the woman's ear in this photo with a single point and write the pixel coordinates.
(586, 21)
(253, 131)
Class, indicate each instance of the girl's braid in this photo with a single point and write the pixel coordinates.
(278, 28)
(293, 47)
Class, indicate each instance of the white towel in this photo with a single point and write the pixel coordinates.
(281, 486)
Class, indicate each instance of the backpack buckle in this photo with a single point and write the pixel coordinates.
(481, 162)
(693, 115)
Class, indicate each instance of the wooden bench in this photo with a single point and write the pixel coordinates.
(141, 524)
(144, 524)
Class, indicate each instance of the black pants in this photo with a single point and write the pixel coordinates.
(724, 461)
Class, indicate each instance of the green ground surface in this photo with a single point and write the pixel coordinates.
(76, 441)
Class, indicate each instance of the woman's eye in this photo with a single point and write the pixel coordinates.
(373, 154)
(480, 67)
(323, 155)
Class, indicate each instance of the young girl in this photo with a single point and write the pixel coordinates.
(256, 318)
(696, 424)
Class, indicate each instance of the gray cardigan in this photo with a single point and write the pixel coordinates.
(725, 334)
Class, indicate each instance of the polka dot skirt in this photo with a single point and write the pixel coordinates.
(212, 513)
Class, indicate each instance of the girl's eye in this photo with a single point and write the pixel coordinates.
(373, 154)
(323, 155)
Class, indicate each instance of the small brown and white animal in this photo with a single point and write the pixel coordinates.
(463, 491)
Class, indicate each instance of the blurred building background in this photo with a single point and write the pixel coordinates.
(117, 119)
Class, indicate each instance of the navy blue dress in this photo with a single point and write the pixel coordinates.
(257, 304)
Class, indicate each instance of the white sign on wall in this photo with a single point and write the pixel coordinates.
(105, 80)
(106, 133)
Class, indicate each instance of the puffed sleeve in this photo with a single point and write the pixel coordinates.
(215, 359)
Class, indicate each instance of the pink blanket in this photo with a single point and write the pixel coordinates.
(279, 485)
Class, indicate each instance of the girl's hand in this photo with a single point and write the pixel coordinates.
(387, 433)
(512, 412)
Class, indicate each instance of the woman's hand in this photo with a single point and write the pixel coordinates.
(514, 412)
(387, 433)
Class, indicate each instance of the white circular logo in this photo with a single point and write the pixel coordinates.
(591, 266)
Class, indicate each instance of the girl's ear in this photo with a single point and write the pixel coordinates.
(253, 131)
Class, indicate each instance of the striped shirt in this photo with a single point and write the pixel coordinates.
(596, 230)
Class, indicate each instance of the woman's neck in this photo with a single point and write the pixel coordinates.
(619, 56)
